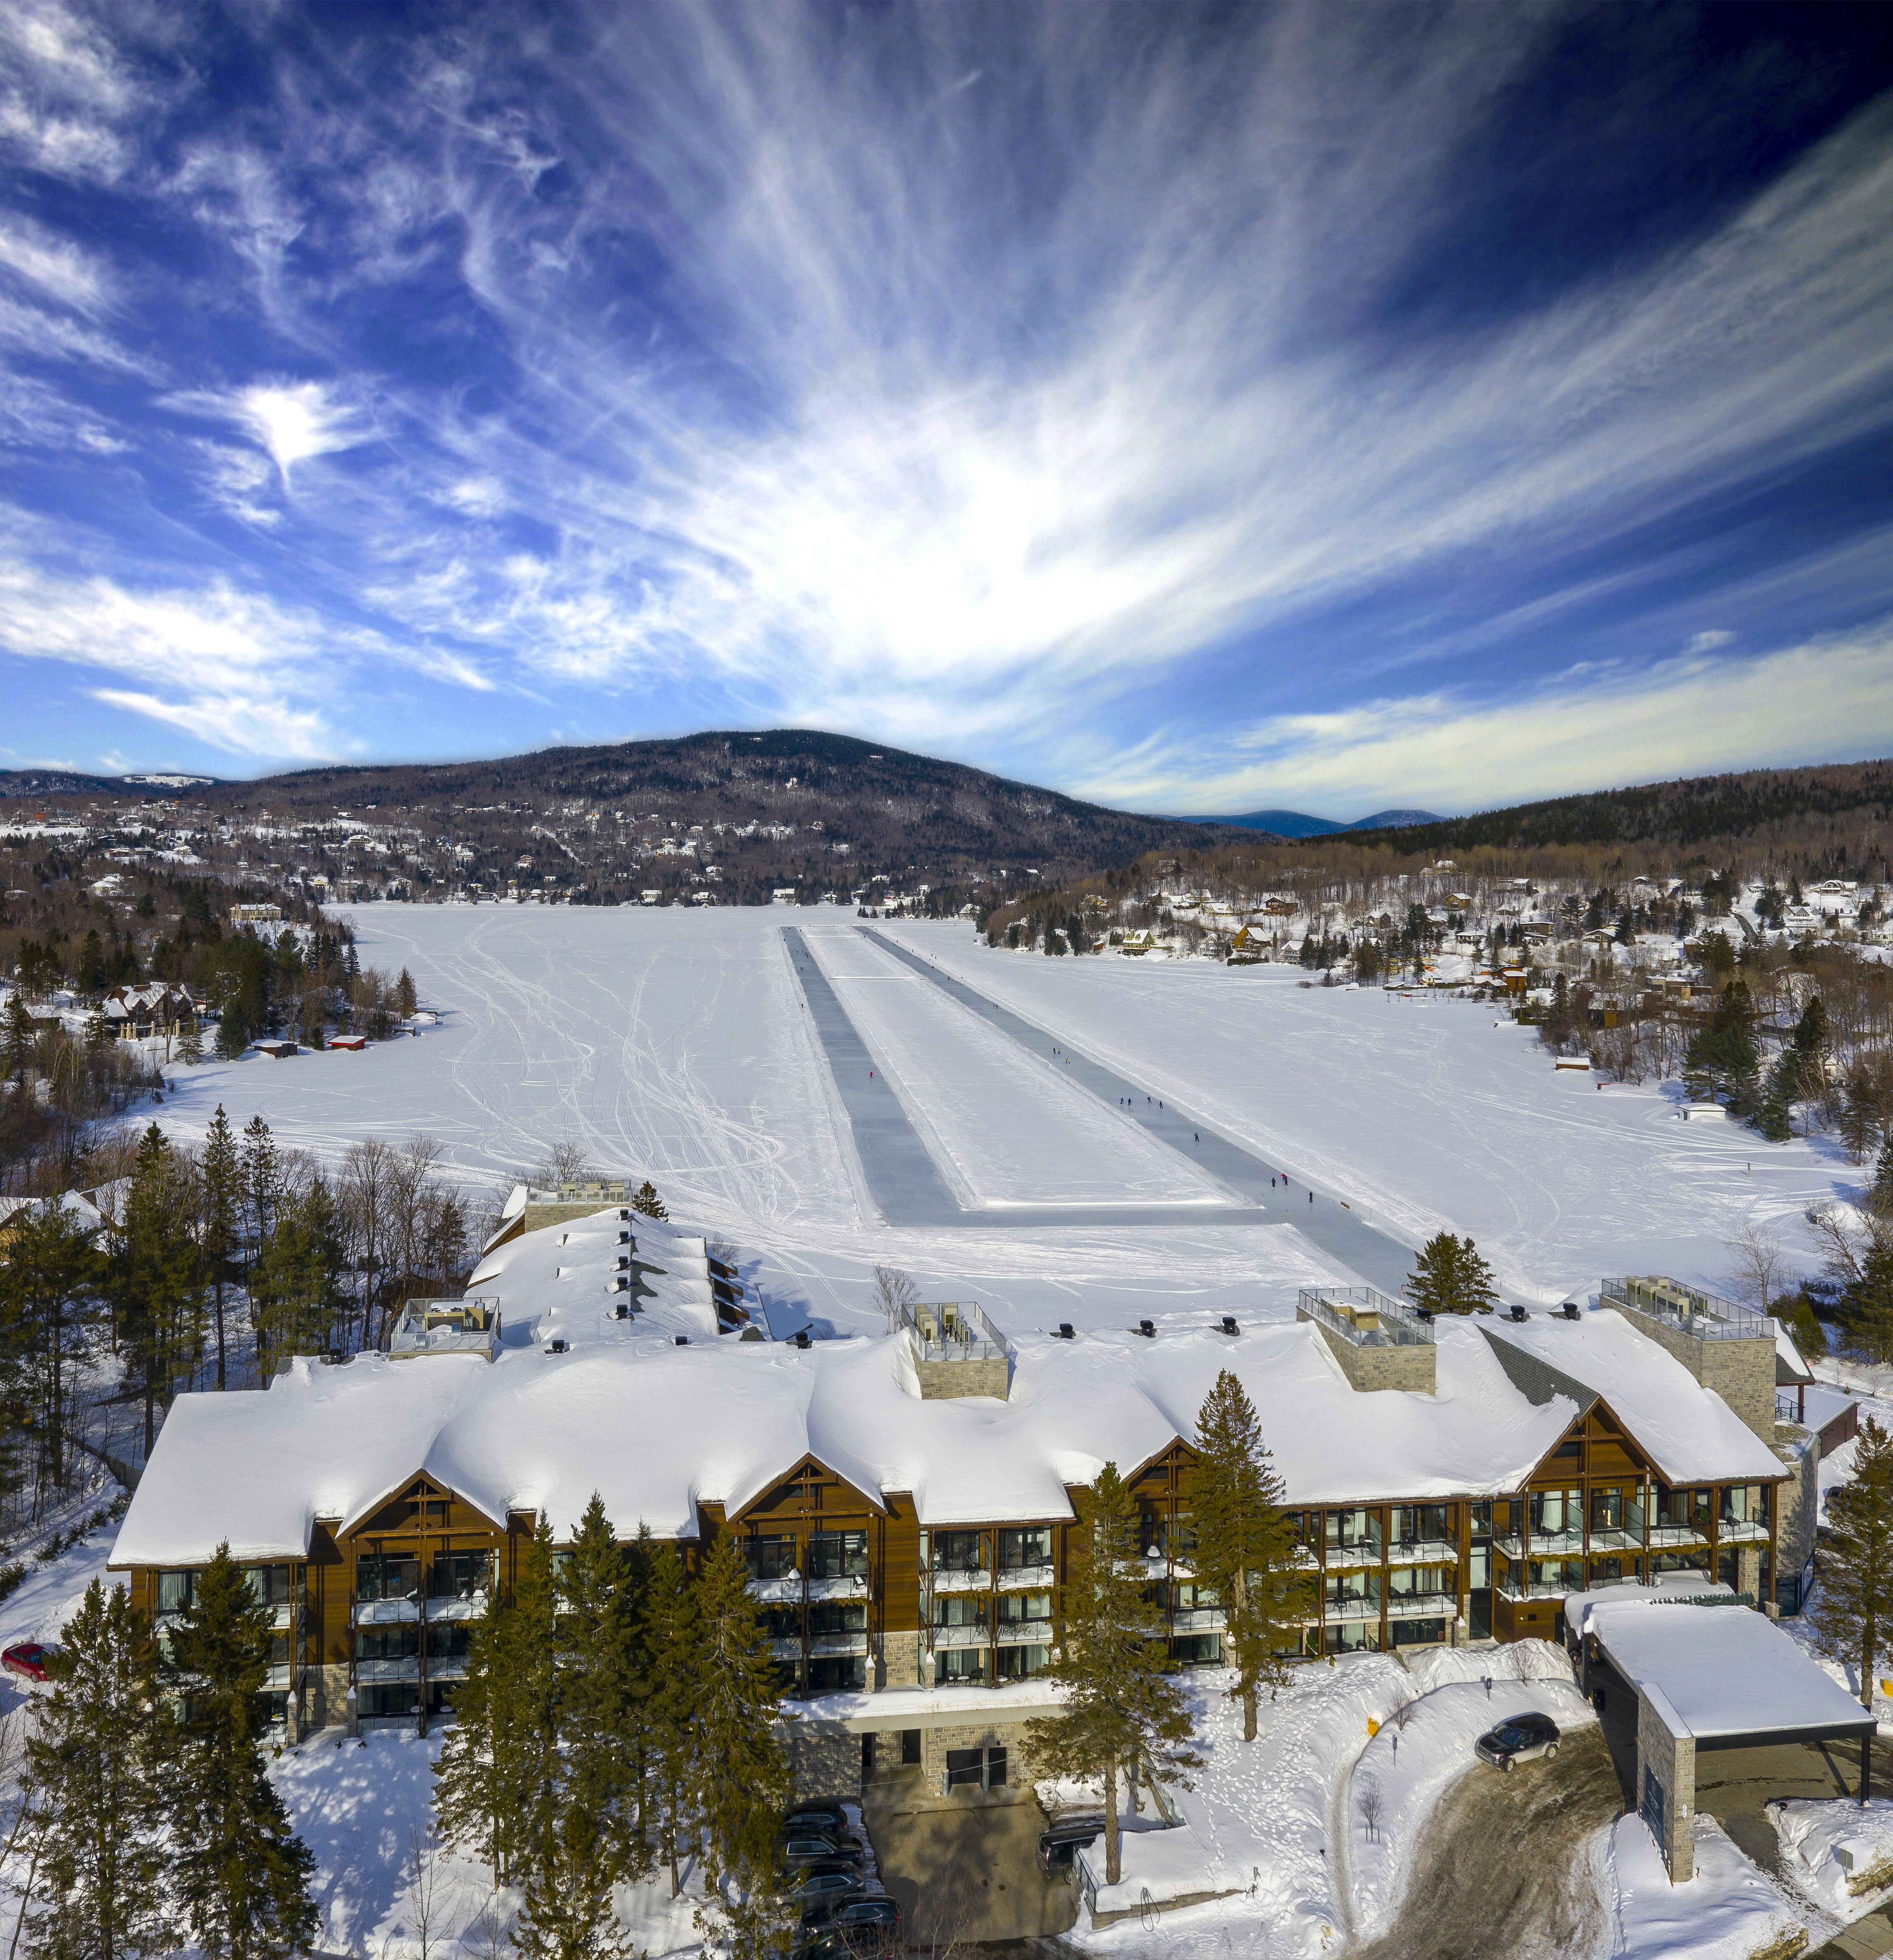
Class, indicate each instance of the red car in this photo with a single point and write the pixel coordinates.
(28, 1658)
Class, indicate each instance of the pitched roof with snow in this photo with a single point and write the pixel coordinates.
(658, 1429)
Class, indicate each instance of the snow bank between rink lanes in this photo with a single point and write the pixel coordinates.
(1828, 1848)
(1726, 1912)
(1414, 1760)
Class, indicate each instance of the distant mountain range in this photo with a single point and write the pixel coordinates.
(1294, 823)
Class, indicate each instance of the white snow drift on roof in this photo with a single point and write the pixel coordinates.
(1691, 1433)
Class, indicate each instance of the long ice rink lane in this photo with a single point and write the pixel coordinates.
(1331, 1224)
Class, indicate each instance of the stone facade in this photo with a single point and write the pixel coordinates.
(1009, 1736)
(1667, 1780)
(1389, 1367)
(325, 1696)
(1741, 1372)
(901, 1660)
(944, 1381)
(1798, 1504)
(825, 1757)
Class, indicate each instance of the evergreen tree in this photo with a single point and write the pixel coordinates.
(100, 1877)
(50, 1283)
(16, 1034)
(240, 1874)
(1246, 1549)
(1879, 1196)
(1123, 1706)
(1866, 1306)
(1859, 1122)
(297, 1289)
(98, 1031)
(262, 1177)
(496, 1785)
(1853, 1606)
(1721, 1059)
(672, 1654)
(594, 1661)
(1450, 1277)
(221, 1179)
(190, 1044)
(568, 1913)
(405, 998)
(156, 1287)
(1773, 1115)
(742, 1775)
(646, 1200)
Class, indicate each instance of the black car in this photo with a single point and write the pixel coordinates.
(817, 1886)
(803, 1848)
(1518, 1739)
(849, 1908)
(1059, 1847)
(820, 1813)
(854, 1929)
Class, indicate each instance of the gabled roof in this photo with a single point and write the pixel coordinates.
(1538, 1381)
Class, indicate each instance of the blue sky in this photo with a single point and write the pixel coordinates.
(1329, 406)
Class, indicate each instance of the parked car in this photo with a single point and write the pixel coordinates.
(1059, 1847)
(818, 1887)
(848, 1908)
(1518, 1739)
(28, 1658)
(821, 1813)
(853, 1939)
(816, 1847)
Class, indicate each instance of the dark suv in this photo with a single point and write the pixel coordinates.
(1059, 1847)
(1518, 1739)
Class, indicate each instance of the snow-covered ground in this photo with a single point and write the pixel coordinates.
(1726, 1911)
(677, 1045)
(1425, 1114)
(1839, 1852)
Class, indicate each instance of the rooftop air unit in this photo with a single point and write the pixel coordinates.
(1147, 1328)
(556, 1345)
(1065, 1330)
(1229, 1324)
(1519, 1313)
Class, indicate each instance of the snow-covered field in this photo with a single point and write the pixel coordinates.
(677, 1045)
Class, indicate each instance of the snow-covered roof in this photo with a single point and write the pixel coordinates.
(658, 1429)
(1690, 1432)
(1727, 1670)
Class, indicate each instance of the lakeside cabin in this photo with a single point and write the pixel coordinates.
(904, 1504)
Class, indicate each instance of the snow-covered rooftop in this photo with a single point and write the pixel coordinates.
(659, 1430)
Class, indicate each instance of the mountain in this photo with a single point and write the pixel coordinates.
(1293, 823)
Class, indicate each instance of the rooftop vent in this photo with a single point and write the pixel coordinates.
(556, 1345)
(1519, 1313)
(1147, 1328)
(1572, 1310)
(801, 1337)
(1229, 1324)
(624, 1309)
(1065, 1330)
(683, 1341)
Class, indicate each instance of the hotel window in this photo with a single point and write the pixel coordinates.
(1745, 1503)
(1022, 1547)
(1607, 1509)
(1022, 1662)
(271, 1585)
(1408, 1580)
(960, 1609)
(837, 1674)
(957, 1550)
(458, 1575)
(379, 1576)
(1562, 1575)
(1349, 1531)
(1020, 1609)
(838, 1554)
(1425, 1524)
(768, 1558)
(782, 1623)
(399, 1642)
(829, 1619)
(1341, 1588)
(450, 1639)
(1555, 1513)
(961, 1666)
(175, 1591)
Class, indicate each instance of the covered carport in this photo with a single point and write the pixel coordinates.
(1709, 1674)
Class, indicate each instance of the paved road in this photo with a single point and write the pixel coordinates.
(1383, 1261)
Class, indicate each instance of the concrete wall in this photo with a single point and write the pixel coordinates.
(1390, 1367)
(826, 1758)
(1666, 1753)
(1741, 1372)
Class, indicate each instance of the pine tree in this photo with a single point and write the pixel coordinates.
(672, 1657)
(496, 1784)
(239, 1873)
(1853, 1607)
(98, 1031)
(50, 1283)
(1450, 1277)
(594, 1661)
(100, 1877)
(405, 998)
(1866, 1306)
(568, 1913)
(190, 1044)
(262, 1178)
(1722, 1059)
(741, 1776)
(297, 1289)
(1246, 1549)
(1860, 1121)
(647, 1201)
(1123, 1706)
(221, 1179)
(16, 1036)
(154, 1279)
(1773, 1115)
(1879, 1196)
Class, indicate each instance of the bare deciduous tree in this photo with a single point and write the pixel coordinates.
(1371, 1805)
(893, 1291)
(1757, 1266)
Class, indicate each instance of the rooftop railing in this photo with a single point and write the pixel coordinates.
(1702, 1316)
(1365, 1317)
(470, 1326)
(954, 1331)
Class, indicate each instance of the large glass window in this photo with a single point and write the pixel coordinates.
(271, 1585)
(1745, 1503)
(1562, 1575)
(957, 1550)
(769, 1558)
(964, 1666)
(1408, 1580)
(386, 1576)
(174, 1590)
(1607, 1509)
(838, 1554)
(1425, 1524)
(1024, 1546)
(402, 1641)
(960, 1609)
(1555, 1512)
(1022, 1662)
(1019, 1609)
(782, 1623)
(450, 1639)
(828, 1618)
(1349, 1531)
(458, 1575)
(1341, 1588)
(389, 1698)
(837, 1674)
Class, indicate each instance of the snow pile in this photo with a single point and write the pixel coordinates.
(1409, 1764)
(1261, 1818)
(1725, 1912)
(1518, 1660)
(1838, 1852)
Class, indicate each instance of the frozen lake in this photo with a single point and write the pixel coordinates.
(678, 1045)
